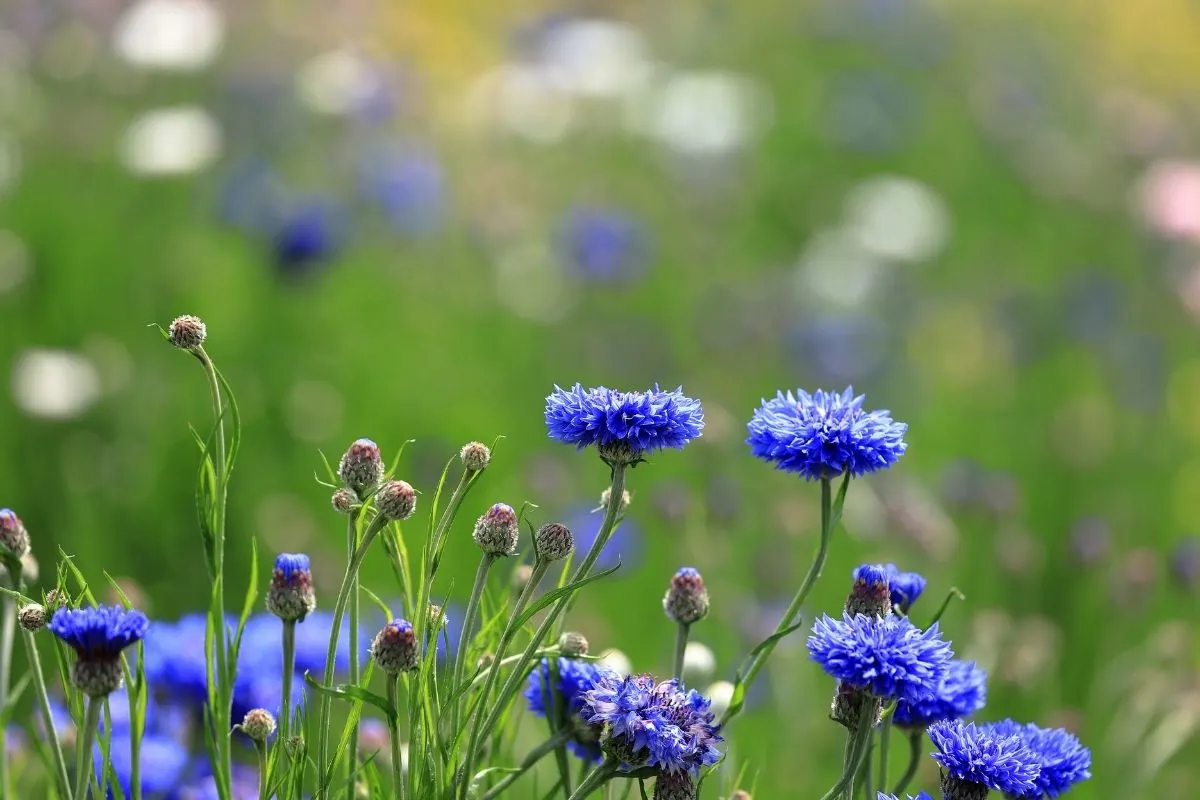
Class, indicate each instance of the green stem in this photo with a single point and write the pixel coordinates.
(531, 758)
(866, 772)
(617, 489)
(885, 738)
(855, 750)
(61, 776)
(289, 669)
(355, 672)
(598, 777)
(681, 640)
(394, 739)
(339, 610)
(914, 762)
(460, 656)
(83, 749)
(264, 778)
(8, 632)
(828, 523)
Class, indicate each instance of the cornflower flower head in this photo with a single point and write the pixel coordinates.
(14, 539)
(648, 724)
(824, 434)
(98, 635)
(565, 692)
(291, 596)
(975, 760)
(961, 692)
(888, 657)
(623, 425)
(1063, 759)
(920, 796)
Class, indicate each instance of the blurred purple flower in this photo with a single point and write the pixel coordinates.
(1092, 303)
(1139, 371)
(408, 184)
(306, 235)
(840, 348)
(248, 197)
(624, 546)
(1185, 563)
(603, 244)
(1091, 540)
(870, 112)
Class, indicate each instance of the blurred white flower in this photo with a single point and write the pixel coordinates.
(171, 141)
(523, 100)
(897, 218)
(596, 58)
(337, 82)
(177, 35)
(617, 661)
(699, 663)
(55, 384)
(836, 270)
(720, 695)
(704, 114)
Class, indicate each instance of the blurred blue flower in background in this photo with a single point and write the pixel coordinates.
(248, 197)
(624, 546)
(870, 112)
(307, 233)
(163, 762)
(1185, 563)
(840, 348)
(408, 185)
(603, 243)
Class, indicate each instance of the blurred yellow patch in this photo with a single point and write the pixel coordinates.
(1185, 496)
(956, 350)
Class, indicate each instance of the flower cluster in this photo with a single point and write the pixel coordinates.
(904, 587)
(565, 690)
(1062, 760)
(961, 692)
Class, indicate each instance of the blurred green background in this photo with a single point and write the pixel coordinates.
(409, 221)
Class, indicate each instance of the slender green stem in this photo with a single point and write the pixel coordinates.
(914, 762)
(339, 610)
(597, 777)
(83, 748)
(866, 772)
(856, 749)
(355, 670)
(394, 739)
(885, 738)
(814, 572)
(289, 669)
(264, 777)
(584, 569)
(8, 632)
(681, 640)
(533, 757)
(61, 776)
(460, 655)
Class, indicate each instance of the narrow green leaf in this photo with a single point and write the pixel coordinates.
(382, 606)
(355, 694)
(396, 461)
(565, 591)
(248, 602)
(772, 639)
(953, 593)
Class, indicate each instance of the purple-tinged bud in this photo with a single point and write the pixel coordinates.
(291, 596)
(396, 501)
(686, 601)
(871, 593)
(521, 577)
(553, 542)
(606, 496)
(187, 332)
(475, 456)
(1185, 563)
(674, 786)
(14, 539)
(361, 468)
(343, 501)
(258, 724)
(395, 647)
(496, 532)
(573, 644)
(32, 617)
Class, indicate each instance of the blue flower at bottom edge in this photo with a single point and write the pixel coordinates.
(976, 757)
(574, 679)
(887, 656)
(1064, 760)
(824, 434)
(640, 421)
(961, 692)
(920, 796)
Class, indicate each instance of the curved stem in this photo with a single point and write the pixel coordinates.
(289, 669)
(394, 739)
(83, 751)
(681, 640)
(533, 757)
(828, 523)
(464, 637)
(354, 673)
(914, 761)
(597, 778)
(61, 776)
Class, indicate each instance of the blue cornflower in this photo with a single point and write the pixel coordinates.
(657, 725)
(306, 234)
(824, 435)
(887, 656)
(98, 635)
(972, 757)
(574, 679)
(920, 796)
(624, 425)
(162, 762)
(409, 185)
(962, 692)
(905, 587)
(604, 244)
(1063, 759)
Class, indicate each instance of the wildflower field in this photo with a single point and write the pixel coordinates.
(554, 400)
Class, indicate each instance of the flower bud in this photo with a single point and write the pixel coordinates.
(475, 456)
(674, 786)
(553, 542)
(361, 468)
(395, 647)
(14, 539)
(848, 703)
(522, 575)
(258, 724)
(485, 661)
(620, 454)
(187, 332)
(295, 747)
(397, 500)
(437, 617)
(573, 644)
(686, 601)
(871, 593)
(56, 599)
(606, 496)
(343, 501)
(32, 617)
(291, 596)
(497, 530)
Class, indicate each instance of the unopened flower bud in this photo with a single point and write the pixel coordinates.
(686, 601)
(437, 617)
(258, 724)
(496, 532)
(522, 575)
(14, 539)
(475, 456)
(295, 746)
(485, 661)
(395, 647)
(606, 496)
(871, 593)
(397, 500)
(56, 599)
(674, 786)
(32, 617)
(553, 542)
(187, 332)
(848, 703)
(291, 596)
(343, 501)
(361, 468)
(573, 644)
